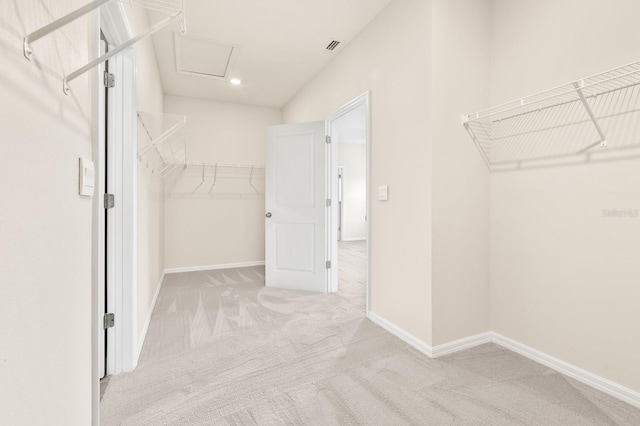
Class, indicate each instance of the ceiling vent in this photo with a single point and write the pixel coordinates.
(204, 58)
(333, 45)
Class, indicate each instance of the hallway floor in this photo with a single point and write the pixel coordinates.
(223, 349)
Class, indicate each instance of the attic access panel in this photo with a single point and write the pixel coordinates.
(202, 57)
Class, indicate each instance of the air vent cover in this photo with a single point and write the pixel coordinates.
(333, 45)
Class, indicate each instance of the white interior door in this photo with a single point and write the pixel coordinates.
(296, 210)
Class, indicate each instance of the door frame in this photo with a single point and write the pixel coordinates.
(340, 203)
(123, 131)
(121, 350)
(332, 171)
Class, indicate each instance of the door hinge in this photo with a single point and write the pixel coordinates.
(109, 201)
(328, 140)
(328, 202)
(328, 264)
(109, 80)
(108, 320)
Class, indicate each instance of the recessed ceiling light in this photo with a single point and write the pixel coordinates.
(235, 81)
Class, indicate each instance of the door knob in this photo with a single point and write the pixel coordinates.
(268, 214)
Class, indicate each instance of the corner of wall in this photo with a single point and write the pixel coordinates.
(460, 246)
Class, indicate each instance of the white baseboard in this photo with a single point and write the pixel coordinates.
(461, 344)
(143, 335)
(435, 351)
(600, 383)
(354, 239)
(406, 337)
(597, 382)
(213, 267)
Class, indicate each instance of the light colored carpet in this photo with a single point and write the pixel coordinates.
(224, 350)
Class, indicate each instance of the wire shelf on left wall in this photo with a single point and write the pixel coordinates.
(162, 141)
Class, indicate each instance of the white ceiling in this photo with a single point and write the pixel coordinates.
(281, 45)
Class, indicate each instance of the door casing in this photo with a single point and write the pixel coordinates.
(122, 349)
(364, 99)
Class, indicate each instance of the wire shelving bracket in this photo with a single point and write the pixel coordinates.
(172, 8)
(162, 141)
(577, 119)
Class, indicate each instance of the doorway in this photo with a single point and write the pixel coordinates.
(304, 205)
(349, 168)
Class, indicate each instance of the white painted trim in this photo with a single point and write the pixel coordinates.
(363, 99)
(461, 344)
(354, 239)
(145, 328)
(401, 334)
(122, 262)
(97, 241)
(128, 285)
(600, 383)
(116, 29)
(607, 386)
(112, 20)
(213, 267)
(367, 103)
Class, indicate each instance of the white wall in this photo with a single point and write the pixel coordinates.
(460, 58)
(150, 185)
(564, 278)
(224, 225)
(353, 159)
(45, 226)
(390, 57)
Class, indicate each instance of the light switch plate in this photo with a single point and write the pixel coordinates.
(87, 177)
(383, 193)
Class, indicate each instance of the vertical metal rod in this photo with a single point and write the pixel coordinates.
(144, 126)
(603, 137)
(215, 177)
(251, 180)
(202, 182)
(484, 157)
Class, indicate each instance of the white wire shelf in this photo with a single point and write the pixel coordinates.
(215, 178)
(575, 120)
(171, 8)
(162, 141)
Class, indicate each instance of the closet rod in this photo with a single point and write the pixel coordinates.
(228, 165)
(175, 6)
(117, 50)
(59, 23)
